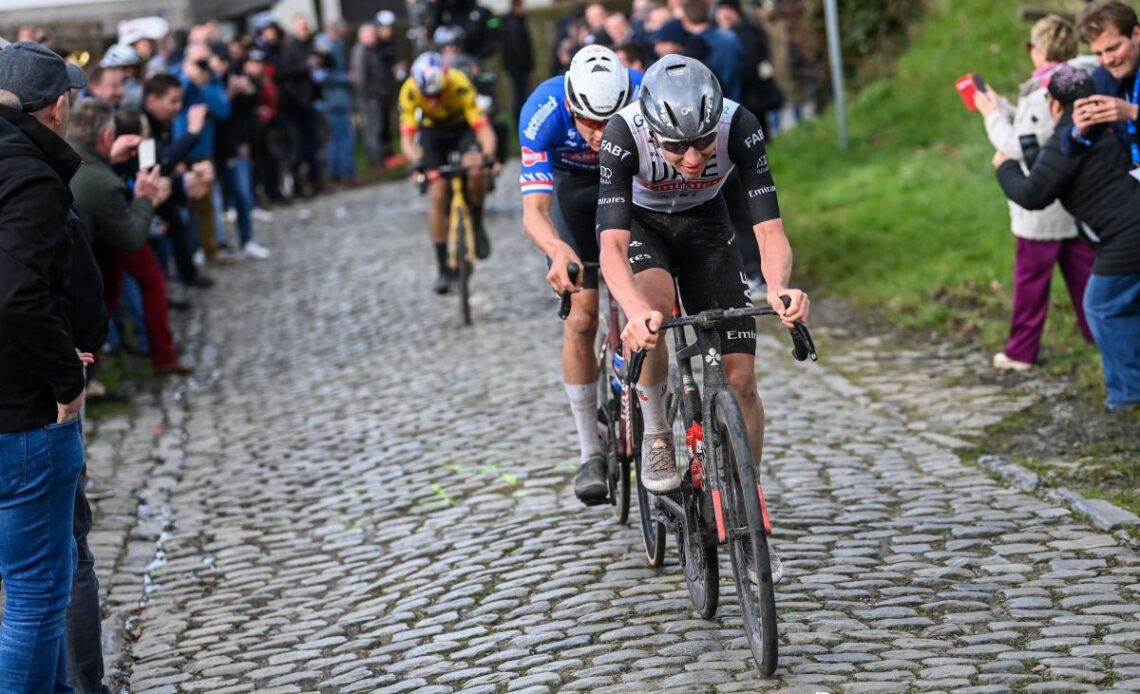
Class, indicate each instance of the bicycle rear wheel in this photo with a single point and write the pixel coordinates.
(744, 525)
(609, 423)
(698, 549)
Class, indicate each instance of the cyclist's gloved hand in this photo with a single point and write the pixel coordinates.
(557, 277)
(797, 309)
(492, 163)
(642, 330)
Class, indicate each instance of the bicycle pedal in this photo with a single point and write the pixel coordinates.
(595, 501)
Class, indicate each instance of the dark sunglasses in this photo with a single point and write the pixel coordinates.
(681, 146)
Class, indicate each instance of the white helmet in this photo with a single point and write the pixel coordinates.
(597, 84)
(119, 55)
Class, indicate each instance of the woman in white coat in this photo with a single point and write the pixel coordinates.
(1047, 237)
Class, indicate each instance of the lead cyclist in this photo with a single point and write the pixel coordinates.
(560, 134)
(663, 162)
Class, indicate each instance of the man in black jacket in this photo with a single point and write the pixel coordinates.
(1094, 186)
(41, 374)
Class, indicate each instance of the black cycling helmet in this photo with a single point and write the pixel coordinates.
(680, 98)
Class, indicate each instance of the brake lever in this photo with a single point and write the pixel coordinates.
(633, 369)
(572, 270)
(802, 344)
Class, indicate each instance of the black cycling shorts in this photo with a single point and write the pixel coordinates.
(573, 209)
(438, 144)
(700, 245)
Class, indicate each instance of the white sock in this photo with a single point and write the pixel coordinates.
(584, 404)
(653, 410)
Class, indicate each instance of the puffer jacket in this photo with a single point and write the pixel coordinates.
(1005, 127)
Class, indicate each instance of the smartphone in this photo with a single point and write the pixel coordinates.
(146, 154)
(967, 86)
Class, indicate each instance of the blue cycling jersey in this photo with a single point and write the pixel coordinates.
(549, 140)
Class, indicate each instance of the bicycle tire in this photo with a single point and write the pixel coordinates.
(652, 527)
(463, 272)
(744, 523)
(697, 551)
(609, 421)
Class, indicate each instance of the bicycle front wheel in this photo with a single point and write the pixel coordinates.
(652, 528)
(698, 549)
(744, 527)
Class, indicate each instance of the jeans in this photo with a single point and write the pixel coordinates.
(1112, 305)
(39, 470)
(239, 191)
(84, 625)
(342, 143)
(369, 109)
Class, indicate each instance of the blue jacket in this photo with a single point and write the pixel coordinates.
(336, 90)
(1105, 83)
(213, 94)
(725, 56)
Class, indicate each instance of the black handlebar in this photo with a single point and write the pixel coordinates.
(572, 270)
(803, 346)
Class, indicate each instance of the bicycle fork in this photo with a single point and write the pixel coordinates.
(459, 222)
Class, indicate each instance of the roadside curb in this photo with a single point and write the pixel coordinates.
(1103, 514)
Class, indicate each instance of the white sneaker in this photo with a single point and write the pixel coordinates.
(262, 215)
(1004, 363)
(199, 257)
(255, 250)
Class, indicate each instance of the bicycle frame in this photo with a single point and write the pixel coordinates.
(698, 407)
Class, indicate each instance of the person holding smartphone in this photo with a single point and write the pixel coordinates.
(1112, 32)
(1046, 237)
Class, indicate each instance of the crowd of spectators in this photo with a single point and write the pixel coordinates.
(238, 123)
(727, 38)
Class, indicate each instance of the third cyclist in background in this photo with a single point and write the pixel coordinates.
(438, 116)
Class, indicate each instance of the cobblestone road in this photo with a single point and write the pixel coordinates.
(362, 496)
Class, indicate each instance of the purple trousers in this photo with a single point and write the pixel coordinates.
(1032, 275)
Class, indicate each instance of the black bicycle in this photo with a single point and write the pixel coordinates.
(720, 500)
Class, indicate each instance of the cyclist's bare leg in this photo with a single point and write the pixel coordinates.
(438, 194)
(656, 285)
(740, 369)
(658, 469)
(580, 375)
(579, 363)
(476, 178)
